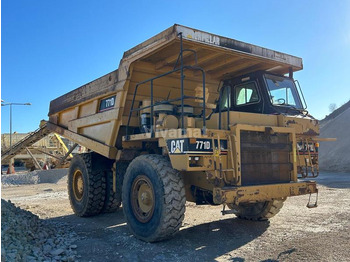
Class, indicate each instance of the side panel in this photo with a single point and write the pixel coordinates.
(90, 91)
(89, 120)
(92, 113)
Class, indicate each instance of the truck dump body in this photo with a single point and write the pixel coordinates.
(92, 114)
(189, 116)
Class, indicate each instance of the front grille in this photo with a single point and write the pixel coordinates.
(265, 158)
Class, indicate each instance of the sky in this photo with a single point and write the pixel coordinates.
(49, 48)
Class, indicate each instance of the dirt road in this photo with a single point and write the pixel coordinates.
(295, 234)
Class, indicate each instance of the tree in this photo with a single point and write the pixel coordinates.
(332, 107)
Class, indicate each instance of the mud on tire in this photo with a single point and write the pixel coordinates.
(258, 211)
(86, 185)
(153, 198)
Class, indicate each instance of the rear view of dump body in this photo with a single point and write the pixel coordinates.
(193, 116)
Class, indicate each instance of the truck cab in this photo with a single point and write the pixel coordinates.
(262, 93)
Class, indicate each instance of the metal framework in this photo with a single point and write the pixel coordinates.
(182, 98)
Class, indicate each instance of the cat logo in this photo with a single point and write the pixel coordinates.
(177, 146)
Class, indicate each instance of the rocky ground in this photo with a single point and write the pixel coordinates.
(25, 237)
(295, 234)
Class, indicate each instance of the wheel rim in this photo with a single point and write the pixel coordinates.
(78, 185)
(142, 198)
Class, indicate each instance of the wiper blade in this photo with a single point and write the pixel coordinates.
(303, 111)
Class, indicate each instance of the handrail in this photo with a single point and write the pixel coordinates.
(182, 98)
(187, 50)
(228, 94)
(301, 91)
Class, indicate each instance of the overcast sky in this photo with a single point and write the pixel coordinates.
(49, 48)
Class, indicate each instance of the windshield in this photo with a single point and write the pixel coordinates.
(282, 91)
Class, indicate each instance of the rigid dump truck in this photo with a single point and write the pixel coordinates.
(189, 116)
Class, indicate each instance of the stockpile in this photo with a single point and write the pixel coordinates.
(25, 237)
(34, 177)
(20, 179)
(334, 156)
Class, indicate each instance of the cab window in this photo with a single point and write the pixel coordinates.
(246, 93)
(225, 98)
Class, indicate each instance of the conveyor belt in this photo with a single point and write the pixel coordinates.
(27, 141)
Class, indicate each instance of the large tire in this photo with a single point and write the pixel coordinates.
(113, 199)
(86, 185)
(259, 211)
(153, 198)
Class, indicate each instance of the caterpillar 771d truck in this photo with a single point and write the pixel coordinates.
(189, 116)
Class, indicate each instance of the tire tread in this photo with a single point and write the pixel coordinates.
(96, 188)
(270, 209)
(174, 198)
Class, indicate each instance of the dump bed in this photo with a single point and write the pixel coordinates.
(94, 114)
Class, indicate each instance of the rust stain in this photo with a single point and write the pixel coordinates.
(311, 132)
(303, 190)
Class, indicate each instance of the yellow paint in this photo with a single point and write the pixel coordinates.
(63, 144)
(216, 152)
(261, 193)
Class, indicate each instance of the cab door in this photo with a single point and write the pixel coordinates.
(246, 97)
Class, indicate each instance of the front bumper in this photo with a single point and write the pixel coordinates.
(258, 193)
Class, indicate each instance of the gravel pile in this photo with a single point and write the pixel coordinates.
(34, 177)
(334, 156)
(20, 179)
(25, 237)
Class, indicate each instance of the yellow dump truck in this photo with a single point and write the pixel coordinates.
(189, 116)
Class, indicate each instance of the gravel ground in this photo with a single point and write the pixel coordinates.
(295, 234)
(25, 237)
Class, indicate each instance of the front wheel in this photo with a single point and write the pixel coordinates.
(153, 198)
(257, 211)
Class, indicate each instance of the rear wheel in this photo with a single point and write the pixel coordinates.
(153, 198)
(113, 199)
(257, 211)
(86, 185)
